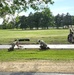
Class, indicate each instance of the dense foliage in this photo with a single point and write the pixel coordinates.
(40, 20)
(11, 6)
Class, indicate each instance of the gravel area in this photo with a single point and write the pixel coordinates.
(37, 66)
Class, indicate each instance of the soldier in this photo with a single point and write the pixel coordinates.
(71, 30)
(71, 36)
(16, 42)
(43, 45)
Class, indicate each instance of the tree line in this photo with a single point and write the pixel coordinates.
(10, 7)
(43, 20)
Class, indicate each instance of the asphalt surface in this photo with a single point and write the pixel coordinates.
(51, 46)
(28, 73)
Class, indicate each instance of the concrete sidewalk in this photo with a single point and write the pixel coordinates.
(51, 46)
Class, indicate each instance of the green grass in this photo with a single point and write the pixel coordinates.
(49, 36)
(28, 54)
(52, 36)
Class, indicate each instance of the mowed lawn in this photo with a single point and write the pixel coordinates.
(51, 36)
(35, 54)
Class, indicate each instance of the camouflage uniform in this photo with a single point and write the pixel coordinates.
(16, 42)
(71, 36)
(43, 45)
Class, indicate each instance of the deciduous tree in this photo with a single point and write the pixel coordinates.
(11, 6)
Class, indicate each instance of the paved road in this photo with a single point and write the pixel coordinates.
(25, 73)
(52, 46)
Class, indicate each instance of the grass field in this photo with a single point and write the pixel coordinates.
(22, 55)
(52, 36)
(49, 36)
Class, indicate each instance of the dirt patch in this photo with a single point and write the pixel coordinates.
(38, 66)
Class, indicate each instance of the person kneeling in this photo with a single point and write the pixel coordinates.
(43, 45)
(16, 42)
